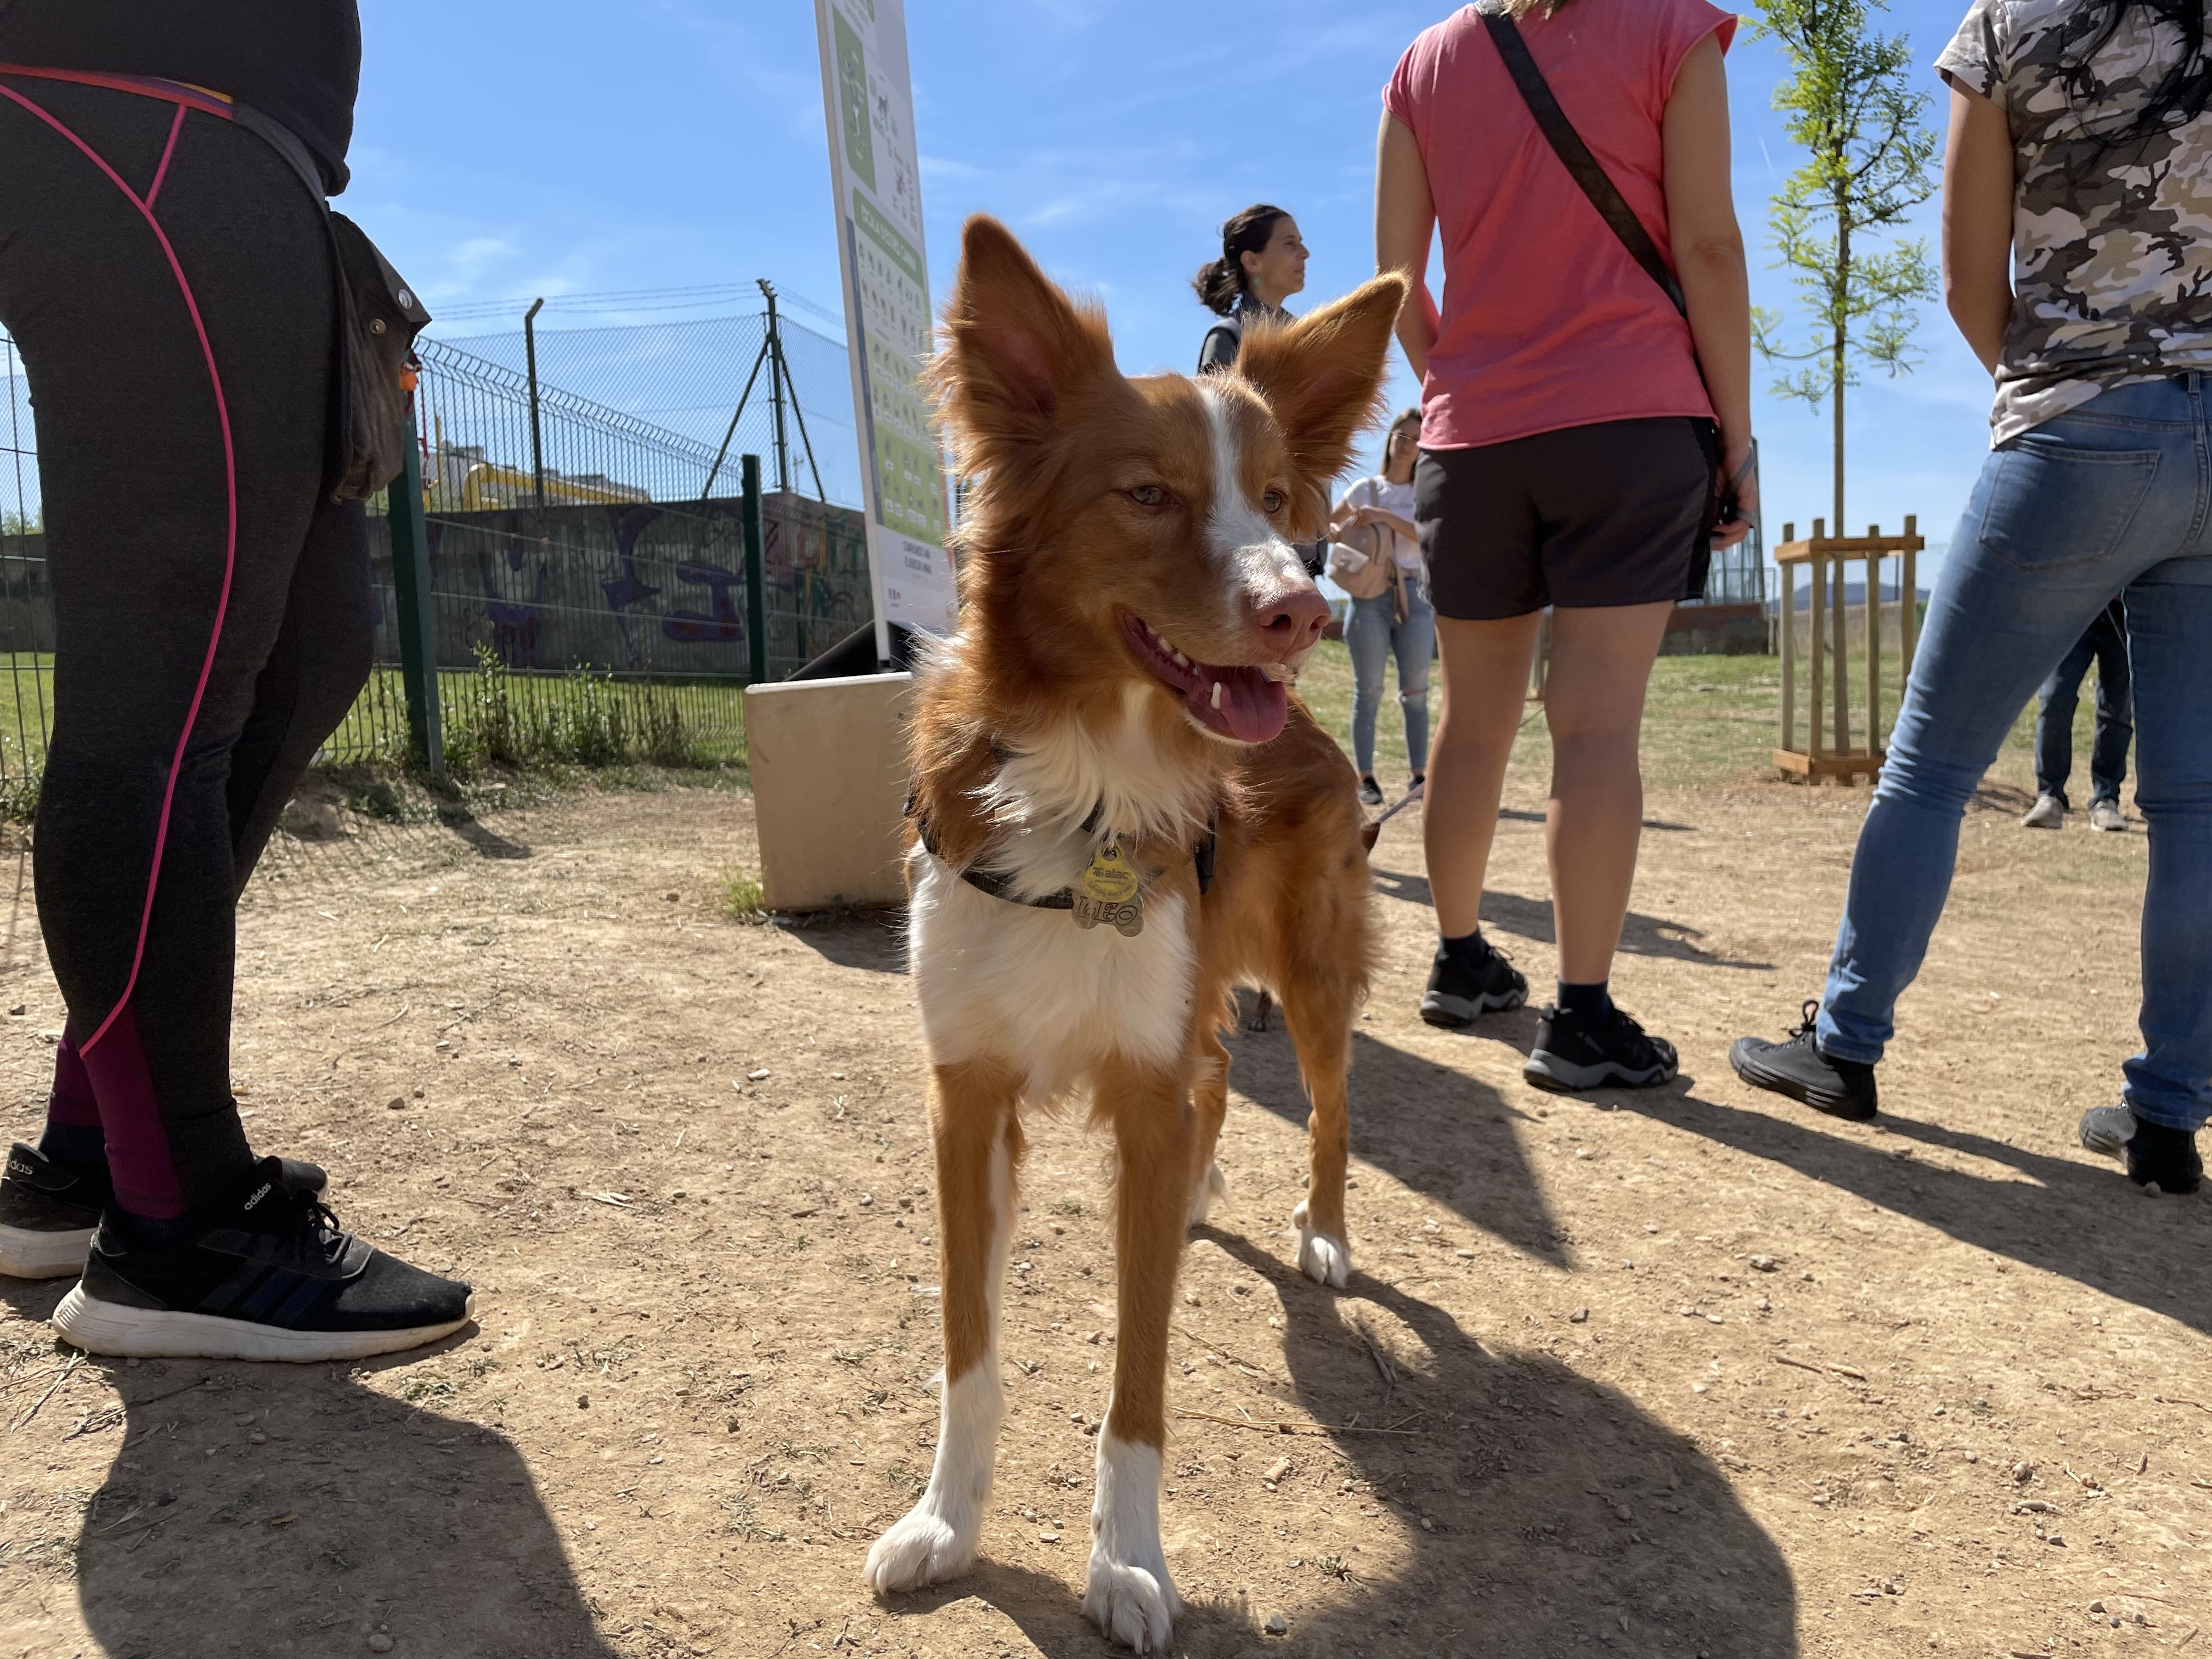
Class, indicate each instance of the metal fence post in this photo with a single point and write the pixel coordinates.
(756, 574)
(537, 439)
(410, 587)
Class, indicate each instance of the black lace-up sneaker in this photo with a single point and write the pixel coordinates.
(1797, 1068)
(1463, 985)
(1574, 1052)
(2159, 1159)
(47, 1213)
(269, 1276)
(48, 1209)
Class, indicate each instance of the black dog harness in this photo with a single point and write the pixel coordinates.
(999, 885)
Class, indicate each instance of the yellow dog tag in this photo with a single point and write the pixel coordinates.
(1109, 879)
(1110, 894)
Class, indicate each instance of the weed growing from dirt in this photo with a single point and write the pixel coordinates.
(744, 1520)
(743, 897)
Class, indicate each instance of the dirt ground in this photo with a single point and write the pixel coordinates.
(1684, 1373)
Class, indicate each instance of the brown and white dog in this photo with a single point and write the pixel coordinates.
(1113, 717)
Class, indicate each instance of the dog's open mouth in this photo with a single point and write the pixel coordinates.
(1246, 701)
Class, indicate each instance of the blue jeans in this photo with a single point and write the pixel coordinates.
(2115, 497)
(2106, 644)
(1372, 635)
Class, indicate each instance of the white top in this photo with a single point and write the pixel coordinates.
(1396, 498)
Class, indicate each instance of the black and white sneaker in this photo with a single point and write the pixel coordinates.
(1574, 1052)
(48, 1211)
(1796, 1067)
(1370, 792)
(1463, 986)
(269, 1276)
(2159, 1159)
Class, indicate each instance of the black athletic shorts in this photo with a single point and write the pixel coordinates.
(1618, 513)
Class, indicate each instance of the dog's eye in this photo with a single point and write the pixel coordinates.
(1148, 495)
(1273, 501)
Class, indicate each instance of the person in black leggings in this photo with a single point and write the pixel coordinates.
(168, 275)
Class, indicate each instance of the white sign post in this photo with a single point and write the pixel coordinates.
(876, 179)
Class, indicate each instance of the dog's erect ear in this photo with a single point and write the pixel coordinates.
(1013, 346)
(1323, 375)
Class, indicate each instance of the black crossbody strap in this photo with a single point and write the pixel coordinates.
(1575, 156)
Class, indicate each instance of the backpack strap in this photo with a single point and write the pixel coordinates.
(1567, 144)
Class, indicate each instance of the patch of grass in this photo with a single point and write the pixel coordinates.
(907, 1480)
(743, 897)
(590, 719)
(1706, 720)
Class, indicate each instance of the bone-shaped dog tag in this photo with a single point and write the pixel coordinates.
(1128, 918)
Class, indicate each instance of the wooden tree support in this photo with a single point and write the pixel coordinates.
(1830, 753)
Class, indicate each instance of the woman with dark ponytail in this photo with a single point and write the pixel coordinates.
(2077, 250)
(1262, 263)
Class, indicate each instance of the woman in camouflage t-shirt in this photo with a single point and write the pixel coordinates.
(2077, 261)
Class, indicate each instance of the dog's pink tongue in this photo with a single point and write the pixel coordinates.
(1252, 709)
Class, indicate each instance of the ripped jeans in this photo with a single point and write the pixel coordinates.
(1371, 636)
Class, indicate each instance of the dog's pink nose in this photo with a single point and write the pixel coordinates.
(1292, 622)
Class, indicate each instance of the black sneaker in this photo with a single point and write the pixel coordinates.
(1797, 1068)
(47, 1213)
(48, 1209)
(1370, 792)
(1573, 1052)
(2159, 1159)
(268, 1276)
(1463, 987)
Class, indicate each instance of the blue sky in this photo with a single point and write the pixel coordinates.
(583, 146)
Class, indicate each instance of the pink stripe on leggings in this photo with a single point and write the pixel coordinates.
(135, 1137)
(130, 1119)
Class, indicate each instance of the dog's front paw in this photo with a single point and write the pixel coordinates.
(925, 1546)
(1324, 1259)
(1211, 1186)
(1133, 1603)
(1129, 1595)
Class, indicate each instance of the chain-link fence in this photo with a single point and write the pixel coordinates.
(27, 620)
(686, 377)
(587, 564)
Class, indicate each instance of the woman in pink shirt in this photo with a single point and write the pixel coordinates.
(1569, 452)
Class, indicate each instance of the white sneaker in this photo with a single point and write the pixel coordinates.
(2107, 1129)
(2106, 815)
(2048, 813)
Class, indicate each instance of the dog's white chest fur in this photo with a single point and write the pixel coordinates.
(1007, 980)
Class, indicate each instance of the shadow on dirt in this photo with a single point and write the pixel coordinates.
(1521, 814)
(874, 941)
(1531, 919)
(487, 842)
(1520, 1497)
(2082, 1221)
(1468, 1157)
(285, 1510)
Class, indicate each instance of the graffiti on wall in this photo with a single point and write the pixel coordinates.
(637, 587)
